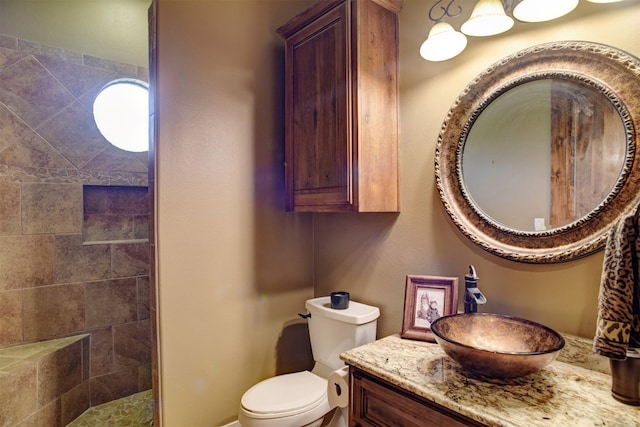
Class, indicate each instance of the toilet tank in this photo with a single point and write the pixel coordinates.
(335, 331)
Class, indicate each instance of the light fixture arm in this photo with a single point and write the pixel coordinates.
(446, 10)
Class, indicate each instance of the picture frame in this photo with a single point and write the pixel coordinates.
(425, 298)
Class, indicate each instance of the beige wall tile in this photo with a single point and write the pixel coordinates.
(9, 55)
(18, 395)
(111, 301)
(59, 372)
(128, 200)
(106, 388)
(75, 402)
(144, 296)
(130, 259)
(22, 146)
(101, 351)
(49, 51)
(107, 64)
(28, 89)
(145, 381)
(9, 207)
(126, 178)
(141, 227)
(86, 358)
(26, 261)
(113, 213)
(113, 158)
(51, 208)
(78, 78)
(104, 228)
(34, 151)
(53, 310)
(76, 262)
(50, 416)
(10, 317)
(131, 343)
(95, 199)
(75, 134)
(114, 200)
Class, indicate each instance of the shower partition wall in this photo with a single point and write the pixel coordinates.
(52, 282)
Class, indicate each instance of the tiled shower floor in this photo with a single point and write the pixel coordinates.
(131, 411)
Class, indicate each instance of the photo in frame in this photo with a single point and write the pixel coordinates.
(427, 298)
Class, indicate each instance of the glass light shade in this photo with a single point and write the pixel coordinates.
(121, 112)
(542, 10)
(443, 43)
(487, 19)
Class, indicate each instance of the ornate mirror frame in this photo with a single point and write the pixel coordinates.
(615, 74)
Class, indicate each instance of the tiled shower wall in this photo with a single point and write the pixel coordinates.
(51, 283)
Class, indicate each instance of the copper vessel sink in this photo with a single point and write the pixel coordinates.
(497, 346)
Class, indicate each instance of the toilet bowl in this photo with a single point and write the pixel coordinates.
(291, 400)
(302, 399)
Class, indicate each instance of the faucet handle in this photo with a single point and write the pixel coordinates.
(471, 276)
(472, 295)
(471, 279)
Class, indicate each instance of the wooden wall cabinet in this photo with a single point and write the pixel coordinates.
(341, 107)
(376, 403)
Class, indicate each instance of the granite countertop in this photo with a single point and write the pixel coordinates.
(574, 390)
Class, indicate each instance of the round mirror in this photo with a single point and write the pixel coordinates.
(535, 160)
(554, 148)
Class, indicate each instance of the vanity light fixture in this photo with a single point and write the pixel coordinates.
(542, 10)
(443, 43)
(489, 17)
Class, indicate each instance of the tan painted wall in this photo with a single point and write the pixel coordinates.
(373, 257)
(110, 29)
(233, 267)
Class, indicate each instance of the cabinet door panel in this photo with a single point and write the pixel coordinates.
(341, 107)
(374, 404)
(318, 150)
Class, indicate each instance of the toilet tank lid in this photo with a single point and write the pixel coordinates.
(357, 313)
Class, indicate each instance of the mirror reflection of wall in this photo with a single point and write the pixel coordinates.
(587, 150)
(506, 157)
(543, 154)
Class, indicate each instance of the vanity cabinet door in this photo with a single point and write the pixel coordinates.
(341, 107)
(375, 403)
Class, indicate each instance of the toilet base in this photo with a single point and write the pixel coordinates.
(316, 423)
(340, 418)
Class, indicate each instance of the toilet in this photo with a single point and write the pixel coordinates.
(301, 399)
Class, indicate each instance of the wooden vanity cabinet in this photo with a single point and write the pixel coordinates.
(376, 403)
(341, 107)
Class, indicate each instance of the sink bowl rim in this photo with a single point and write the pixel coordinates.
(558, 347)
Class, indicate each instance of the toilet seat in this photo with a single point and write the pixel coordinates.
(285, 395)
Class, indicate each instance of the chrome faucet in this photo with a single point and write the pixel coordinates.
(472, 295)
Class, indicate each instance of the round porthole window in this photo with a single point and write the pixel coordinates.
(121, 112)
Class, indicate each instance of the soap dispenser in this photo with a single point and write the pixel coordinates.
(472, 295)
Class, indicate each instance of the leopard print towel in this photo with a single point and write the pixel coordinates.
(618, 324)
